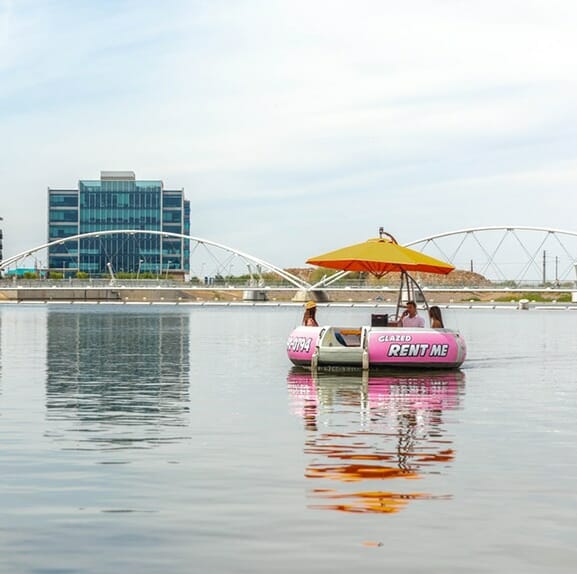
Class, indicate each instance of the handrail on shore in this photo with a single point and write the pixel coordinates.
(14, 283)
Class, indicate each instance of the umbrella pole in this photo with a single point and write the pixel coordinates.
(400, 296)
(414, 282)
(409, 283)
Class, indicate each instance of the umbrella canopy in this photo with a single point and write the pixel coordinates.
(379, 256)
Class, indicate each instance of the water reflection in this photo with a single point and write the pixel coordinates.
(370, 429)
(120, 378)
(1, 353)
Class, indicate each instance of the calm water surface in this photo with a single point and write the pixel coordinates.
(178, 439)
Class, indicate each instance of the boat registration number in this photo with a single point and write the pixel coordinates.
(299, 344)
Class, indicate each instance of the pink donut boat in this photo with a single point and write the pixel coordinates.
(375, 347)
(378, 345)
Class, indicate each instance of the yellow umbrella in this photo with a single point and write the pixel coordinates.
(379, 256)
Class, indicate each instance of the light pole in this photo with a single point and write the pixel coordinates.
(167, 268)
(140, 262)
(111, 271)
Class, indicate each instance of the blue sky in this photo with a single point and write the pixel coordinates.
(295, 127)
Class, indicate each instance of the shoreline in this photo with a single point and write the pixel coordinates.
(463, 296)
(537, 306)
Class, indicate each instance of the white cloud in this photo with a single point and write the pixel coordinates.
(293, 119)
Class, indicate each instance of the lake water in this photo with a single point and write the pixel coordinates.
(178, 439)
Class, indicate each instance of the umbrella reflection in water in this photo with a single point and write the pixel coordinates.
(368, 428)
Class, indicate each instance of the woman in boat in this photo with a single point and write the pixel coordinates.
(436, 318)
(309, 318)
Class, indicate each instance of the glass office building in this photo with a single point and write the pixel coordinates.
(117, 201)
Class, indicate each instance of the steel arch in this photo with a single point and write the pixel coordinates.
(293, 279)
(531, 261)
(491, 228)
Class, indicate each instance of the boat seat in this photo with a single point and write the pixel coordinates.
(340, 339)
(348, 337)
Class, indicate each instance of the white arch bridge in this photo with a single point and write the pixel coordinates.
(506, 255)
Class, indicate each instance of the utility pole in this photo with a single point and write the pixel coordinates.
(556, 271)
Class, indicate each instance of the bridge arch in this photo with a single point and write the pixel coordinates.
(507, 253)
(261, 263)
(516, 254)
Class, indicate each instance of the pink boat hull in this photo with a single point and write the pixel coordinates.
(371, 347)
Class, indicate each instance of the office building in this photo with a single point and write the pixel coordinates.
(118, 201)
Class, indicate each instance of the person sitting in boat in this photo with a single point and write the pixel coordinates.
(410, 317)
(309, 318)
(436, 318)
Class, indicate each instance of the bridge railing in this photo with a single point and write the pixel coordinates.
(19, 282)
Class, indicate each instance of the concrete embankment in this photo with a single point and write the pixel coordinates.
(93, 294)
(176, 294)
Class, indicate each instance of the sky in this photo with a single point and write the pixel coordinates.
(295, 126)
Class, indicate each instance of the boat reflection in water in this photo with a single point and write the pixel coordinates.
(117, 380)
(374, 431)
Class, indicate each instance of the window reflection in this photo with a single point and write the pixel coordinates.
(120, 379)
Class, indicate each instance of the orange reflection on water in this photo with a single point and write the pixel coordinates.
(362, 428)
(356, 472)
(442, 456)
(405, 462)
(368, 502)
(344, 456)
